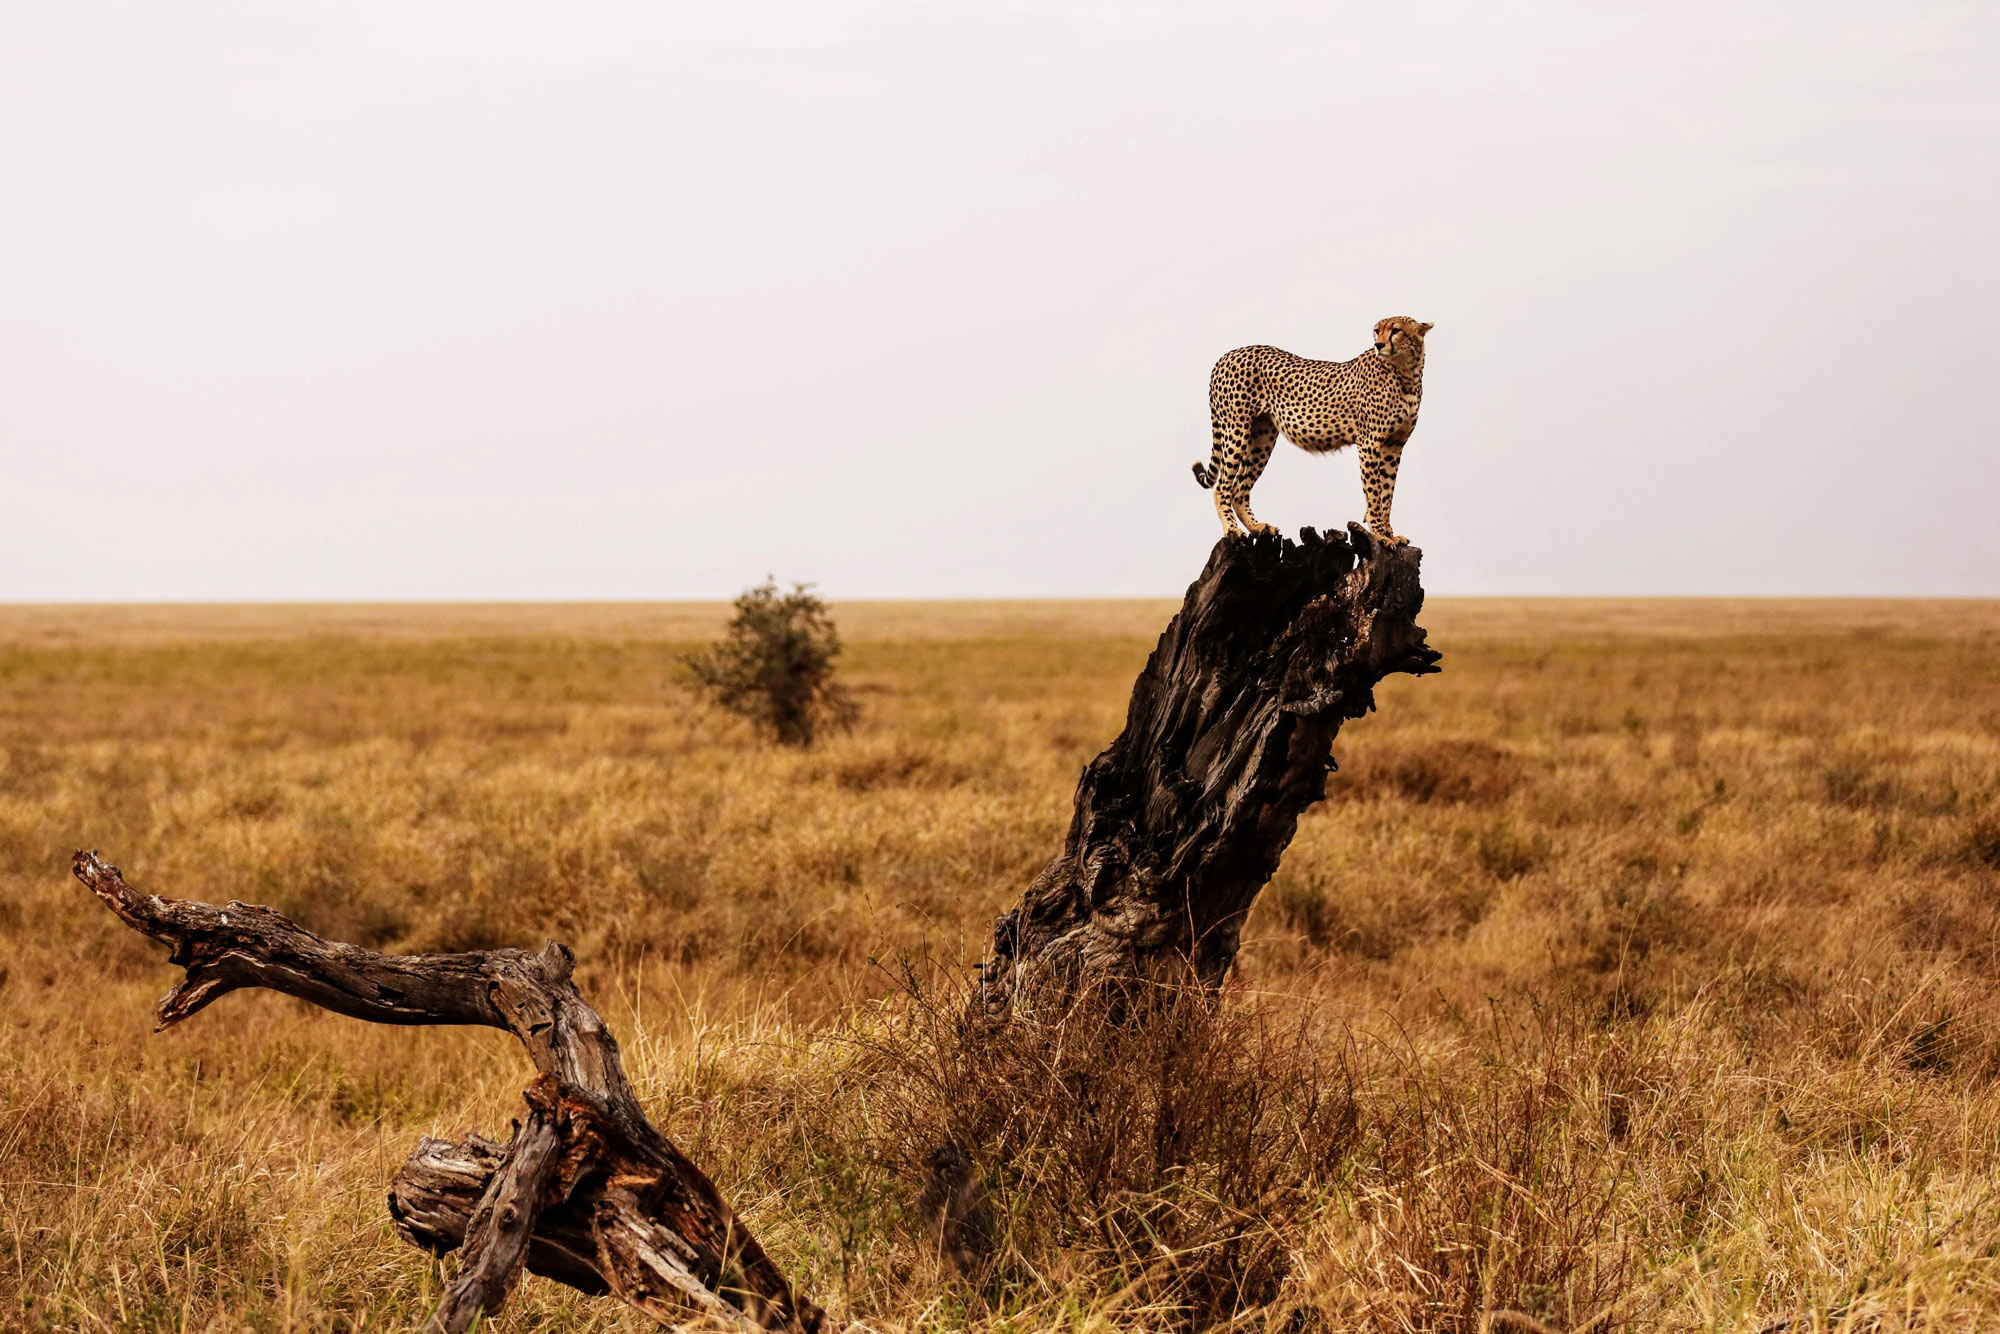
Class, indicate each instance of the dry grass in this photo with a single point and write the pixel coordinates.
(1640, 969)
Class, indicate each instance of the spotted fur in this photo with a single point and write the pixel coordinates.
(1256, 394)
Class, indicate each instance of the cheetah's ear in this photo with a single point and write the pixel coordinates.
(1425, 328)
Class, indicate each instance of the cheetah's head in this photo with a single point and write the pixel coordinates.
(1400, 338)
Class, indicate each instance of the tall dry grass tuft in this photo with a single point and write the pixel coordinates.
(1164, 1162)
(1501, 1172)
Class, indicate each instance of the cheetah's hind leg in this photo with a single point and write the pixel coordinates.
(1224, 483)
(1227, 474)
(1263, 439)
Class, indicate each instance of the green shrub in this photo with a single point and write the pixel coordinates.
(774, 666)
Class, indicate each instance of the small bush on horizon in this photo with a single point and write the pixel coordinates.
(774, 665)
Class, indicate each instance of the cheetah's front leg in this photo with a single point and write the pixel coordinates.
(1379, 461)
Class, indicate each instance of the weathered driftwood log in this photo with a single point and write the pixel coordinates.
(588, 1193)
(1227, 739)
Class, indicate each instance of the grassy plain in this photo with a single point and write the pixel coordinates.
(1647, 959)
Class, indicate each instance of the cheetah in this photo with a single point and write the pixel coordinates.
(1256, 394)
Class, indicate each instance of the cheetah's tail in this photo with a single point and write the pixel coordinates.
(1205, 475)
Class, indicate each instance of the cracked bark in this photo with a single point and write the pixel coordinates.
(1228, 739)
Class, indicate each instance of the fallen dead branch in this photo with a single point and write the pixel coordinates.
(587, 1192)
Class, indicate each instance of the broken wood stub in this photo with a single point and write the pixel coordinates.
(497, 1233)
(1228, 738)
(588, 1193)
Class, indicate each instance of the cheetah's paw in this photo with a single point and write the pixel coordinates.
(1363, 535)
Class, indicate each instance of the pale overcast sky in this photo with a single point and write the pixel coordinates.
(413, 300)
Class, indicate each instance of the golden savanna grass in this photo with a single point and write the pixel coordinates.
(1638, 972)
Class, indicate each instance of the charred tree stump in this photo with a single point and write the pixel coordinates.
(1228, 738)
(588, 1193)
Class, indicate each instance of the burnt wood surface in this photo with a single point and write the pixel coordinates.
(1228, 738)
(588, 1193)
